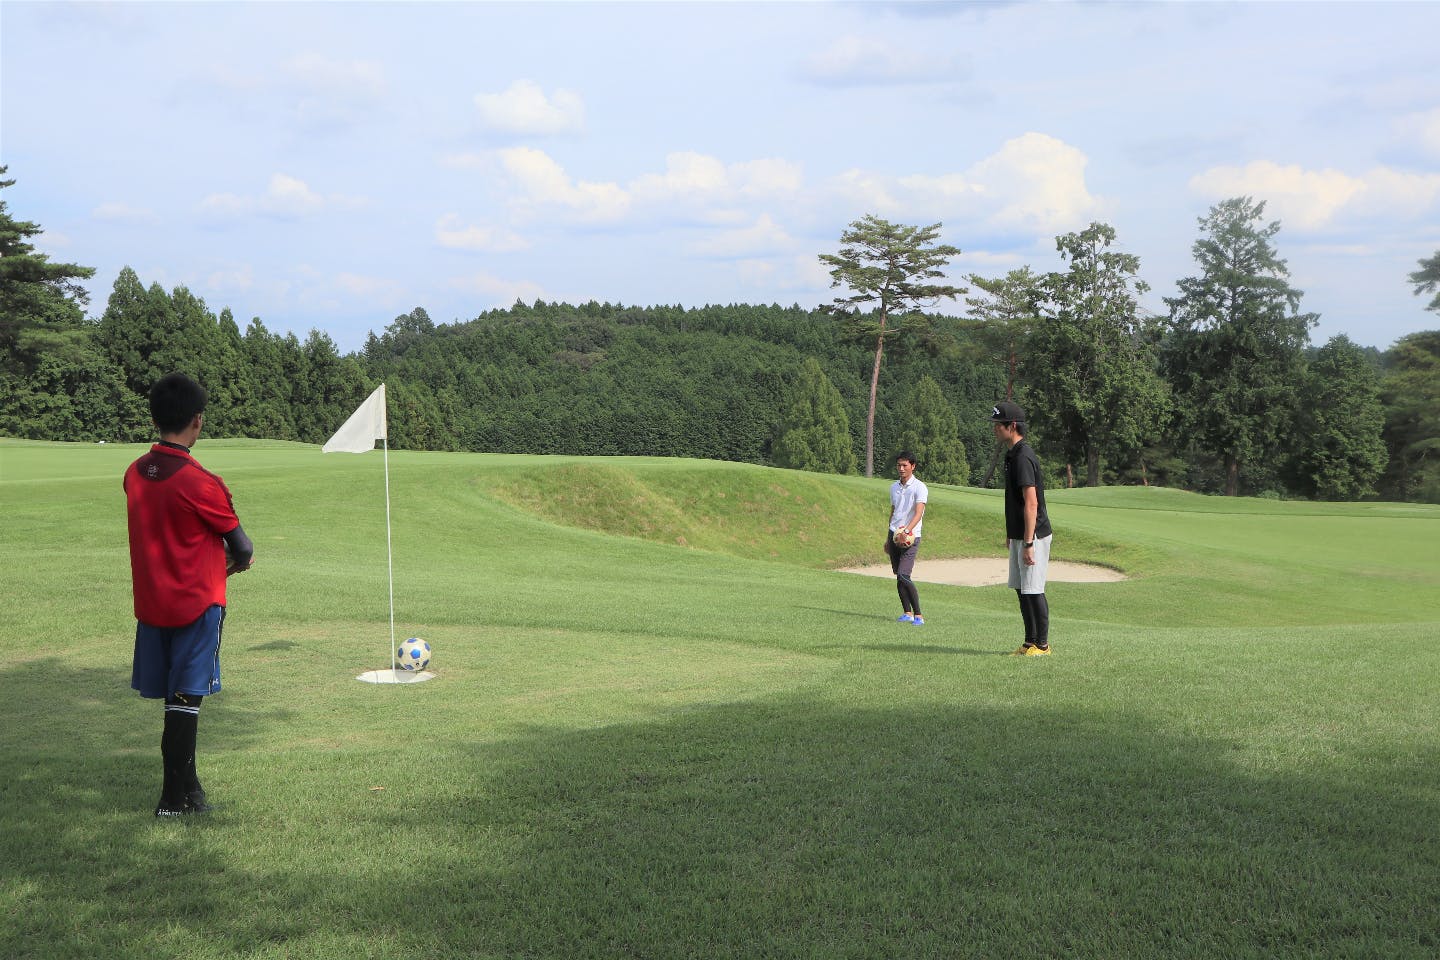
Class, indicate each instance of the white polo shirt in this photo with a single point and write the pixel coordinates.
(903, 497)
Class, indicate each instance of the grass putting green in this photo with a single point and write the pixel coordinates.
(663, 726)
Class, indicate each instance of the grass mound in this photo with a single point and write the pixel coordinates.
(762, 513)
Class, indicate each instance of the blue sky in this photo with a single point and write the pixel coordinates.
(332, 165)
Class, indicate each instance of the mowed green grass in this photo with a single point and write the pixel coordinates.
(663, 727)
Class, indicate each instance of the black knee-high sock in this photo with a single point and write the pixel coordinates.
(1028, 616)
(177, 747)
(1036, 611)
(1041, 608)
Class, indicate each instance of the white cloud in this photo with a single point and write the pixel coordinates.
(1315, 199)
(450, 232)
(686, 175)
(698, 177)
(1039, 182)
(768, 176)
(1033, 182)
(525, 109)
(123, 213)
(693, 187)
(869, 61)
(285, 198)
(498, 292)
(869, 192)
(797, 274)
(290, 197)
(762, 238)
(546, 184)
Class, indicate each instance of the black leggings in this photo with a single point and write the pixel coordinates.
(1035, 610)
(909, 595)
(902, 562)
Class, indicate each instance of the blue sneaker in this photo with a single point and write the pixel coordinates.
(905, 619)
(917, 621)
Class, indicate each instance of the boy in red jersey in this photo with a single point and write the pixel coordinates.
(182, 524)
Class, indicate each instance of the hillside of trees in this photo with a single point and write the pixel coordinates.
(1220, 396)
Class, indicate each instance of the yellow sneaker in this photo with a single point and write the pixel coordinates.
(1019, 651)
(1034, 651)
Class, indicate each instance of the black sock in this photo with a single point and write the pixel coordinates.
(177, 749)
(1042, 621)
(1027, 615)
(1037, 617)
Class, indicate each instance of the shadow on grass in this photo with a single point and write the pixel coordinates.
(877, 618)
(787, 829)
(934, 648)
(275, 645)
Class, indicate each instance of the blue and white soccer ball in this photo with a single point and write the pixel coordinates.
(413, 654)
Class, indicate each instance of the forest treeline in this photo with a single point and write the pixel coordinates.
(787, 386)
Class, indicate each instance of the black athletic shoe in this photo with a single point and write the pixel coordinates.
(194, 802)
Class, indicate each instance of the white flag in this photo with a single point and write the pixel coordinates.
(365, 426)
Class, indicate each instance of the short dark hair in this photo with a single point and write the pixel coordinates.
(907, 456)
(174, 401)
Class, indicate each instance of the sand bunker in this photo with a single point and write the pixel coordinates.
(989, 571)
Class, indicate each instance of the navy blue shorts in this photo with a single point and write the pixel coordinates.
(186, 659)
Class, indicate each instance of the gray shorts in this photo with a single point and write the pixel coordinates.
(1029, 579)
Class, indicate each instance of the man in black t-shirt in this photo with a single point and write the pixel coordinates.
(1027, 527)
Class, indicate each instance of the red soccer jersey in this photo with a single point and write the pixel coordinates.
(178, 512)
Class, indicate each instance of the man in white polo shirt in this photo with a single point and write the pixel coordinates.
(907, 507)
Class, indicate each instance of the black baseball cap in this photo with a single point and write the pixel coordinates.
(1007, 412)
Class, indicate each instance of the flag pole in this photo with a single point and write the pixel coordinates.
(389, 556)
(358, 434)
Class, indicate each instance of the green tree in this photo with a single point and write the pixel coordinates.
(407, 330)
(931, 432)
(814, 433)
(888, 268)
(54, 383)
(1096, 387)
(1427, 280)
(1341, 450)
(142, 333)
(1410, 392)
(331, 386)
(276, 366)
(1234, 357)
(41, 303)
(1002, 320)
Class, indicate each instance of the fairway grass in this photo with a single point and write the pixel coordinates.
(664, 726)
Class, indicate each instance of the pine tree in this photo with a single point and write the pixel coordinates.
(814, 433)
(1096, 387)
(1235, 354)
(1342, 452)
(891, 267)
(931, 431)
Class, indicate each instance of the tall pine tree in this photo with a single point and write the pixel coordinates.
(890, 268)
(1235, 354)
